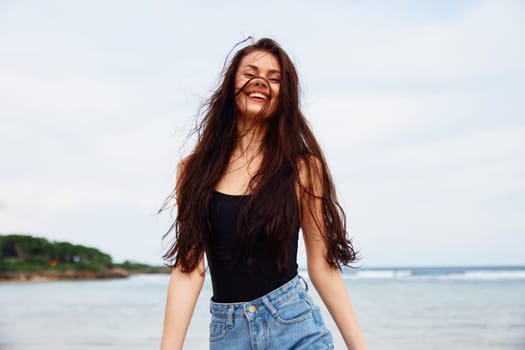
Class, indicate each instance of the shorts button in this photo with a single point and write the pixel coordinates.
(252, 308)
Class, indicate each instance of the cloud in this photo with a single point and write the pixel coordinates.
(372, 51)
(348, 122)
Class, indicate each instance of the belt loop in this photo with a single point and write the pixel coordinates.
(229, 321)
(304, 281)
(269, 305)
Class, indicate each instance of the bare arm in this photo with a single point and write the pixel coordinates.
(183, 291)
(330, 286)
(328, 280)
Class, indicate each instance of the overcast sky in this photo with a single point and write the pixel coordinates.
(418, 105)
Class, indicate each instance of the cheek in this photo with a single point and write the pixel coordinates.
(238, 85)
(275, 95)
(240, 103)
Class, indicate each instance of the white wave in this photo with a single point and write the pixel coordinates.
(419, 274)
(378, 274)
(485, 275)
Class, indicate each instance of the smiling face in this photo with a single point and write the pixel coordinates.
(257, 84)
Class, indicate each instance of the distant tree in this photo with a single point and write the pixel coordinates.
(64, 251)
(40, 251)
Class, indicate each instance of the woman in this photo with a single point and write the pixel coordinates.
(257, 175)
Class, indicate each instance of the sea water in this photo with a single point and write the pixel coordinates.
(402, 308)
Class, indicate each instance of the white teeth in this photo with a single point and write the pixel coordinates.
(258, 95)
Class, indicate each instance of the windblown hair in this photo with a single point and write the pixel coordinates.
(273, 210)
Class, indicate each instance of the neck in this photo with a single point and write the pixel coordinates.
(250, 137)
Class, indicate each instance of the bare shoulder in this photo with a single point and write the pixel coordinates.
(181, 167)
(309, 166)
(181, 172)
(310, 174)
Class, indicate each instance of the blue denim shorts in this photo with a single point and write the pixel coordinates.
(285, 318)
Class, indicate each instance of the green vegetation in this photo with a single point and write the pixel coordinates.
(134, 267)
(24, 253)
(29, 254)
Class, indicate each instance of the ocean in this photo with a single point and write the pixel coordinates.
(462, 308)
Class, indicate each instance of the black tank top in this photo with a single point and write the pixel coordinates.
(233, 282)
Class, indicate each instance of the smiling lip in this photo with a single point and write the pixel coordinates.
(258, 96)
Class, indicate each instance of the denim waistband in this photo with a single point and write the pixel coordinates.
(271, 300)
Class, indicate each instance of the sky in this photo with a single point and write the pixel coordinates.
(419, 107)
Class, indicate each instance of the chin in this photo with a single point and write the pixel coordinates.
(253, 113)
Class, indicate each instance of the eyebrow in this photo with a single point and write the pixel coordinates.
(271, 71)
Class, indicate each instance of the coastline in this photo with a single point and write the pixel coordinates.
(72, 275)
(26, 258)
(50, 275)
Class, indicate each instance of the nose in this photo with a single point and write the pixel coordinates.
(261, 82)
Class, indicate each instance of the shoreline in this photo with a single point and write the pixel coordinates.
(50, 275)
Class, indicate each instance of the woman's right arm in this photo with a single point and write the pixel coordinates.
(183, 291)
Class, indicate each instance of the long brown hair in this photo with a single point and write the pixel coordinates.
(272, 210)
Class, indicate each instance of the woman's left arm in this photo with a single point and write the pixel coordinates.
(327, 280)
(329, 284)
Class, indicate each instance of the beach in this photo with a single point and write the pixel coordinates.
(404, 308)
